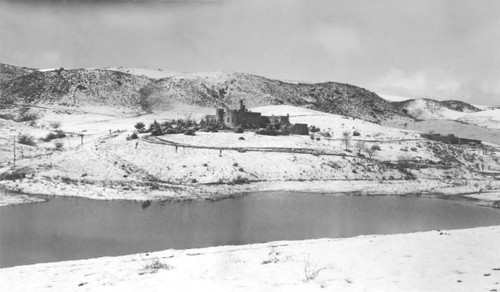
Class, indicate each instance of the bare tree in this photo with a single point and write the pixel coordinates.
(371, 151)
(360, 146)
(346, 139)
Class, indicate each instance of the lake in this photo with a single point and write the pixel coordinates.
(67, 228)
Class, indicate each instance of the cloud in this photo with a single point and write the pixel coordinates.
(97, 2)
(491, 87)
(432, 83)
(338, 41)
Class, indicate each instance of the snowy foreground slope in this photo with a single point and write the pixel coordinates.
(455, 260)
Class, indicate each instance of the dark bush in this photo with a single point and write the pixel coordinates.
(241, 138)
(53, 135)
(26, 140)
(134, 136)
(27, 117)
(49, 137)
(238, 130)
(59, 145)
(60, 134)
(55, 125)
(356, 133)
(140, 126)
(314, 129)
(376, 147)
(240, 180)
(190, 132)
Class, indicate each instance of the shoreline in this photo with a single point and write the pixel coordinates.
(33, 190)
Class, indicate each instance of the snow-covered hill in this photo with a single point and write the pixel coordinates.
(141, 90)
(428, 109)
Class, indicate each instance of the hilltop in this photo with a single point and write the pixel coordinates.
(430, 109)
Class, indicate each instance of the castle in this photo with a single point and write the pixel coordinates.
(242, 117)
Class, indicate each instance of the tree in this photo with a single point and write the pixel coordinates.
(360, 146)
(404, 163)
(371, 151)
(140, 126)
(346, 139)
(156, 129)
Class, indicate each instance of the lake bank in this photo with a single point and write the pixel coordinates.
(29, 190)
(457, 260)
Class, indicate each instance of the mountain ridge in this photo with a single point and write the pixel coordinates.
(80, 87)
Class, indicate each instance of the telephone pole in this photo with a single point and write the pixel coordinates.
(14, 150)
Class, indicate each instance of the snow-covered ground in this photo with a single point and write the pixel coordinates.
(107, 166)
(488, 119)
(454, 260)
(394, 97)
(336, 125)
(151, 73)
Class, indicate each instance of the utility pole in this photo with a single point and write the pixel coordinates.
(14, 150)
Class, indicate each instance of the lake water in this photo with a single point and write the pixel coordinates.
(74, 228)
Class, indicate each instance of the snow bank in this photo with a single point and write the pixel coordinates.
(456, 260)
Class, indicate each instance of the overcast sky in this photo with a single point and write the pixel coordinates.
(439, 49)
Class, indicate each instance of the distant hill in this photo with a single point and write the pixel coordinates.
(460, 106)
(429, 109)
(133, 89)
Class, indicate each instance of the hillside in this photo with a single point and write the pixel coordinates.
(76, 88)
(430, 109)
(132, 89)
(8, 72)
(460, 106)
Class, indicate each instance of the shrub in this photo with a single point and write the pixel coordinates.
(55, 125)
(190, 132)
(134, 136)
(238, 130)
(155, 266)
(60, 134)
(49, 137)
(241, 138)
(376, 147)
(314, 129)
(27, 117)
(240, 180)
(59, 145)
(26, 139)
(140, 126)
(356, 133)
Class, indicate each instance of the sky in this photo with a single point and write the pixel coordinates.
(445, 49)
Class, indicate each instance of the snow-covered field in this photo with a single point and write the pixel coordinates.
(489, 119)
(454, 260)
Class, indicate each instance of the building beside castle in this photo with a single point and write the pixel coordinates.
(242, 117)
